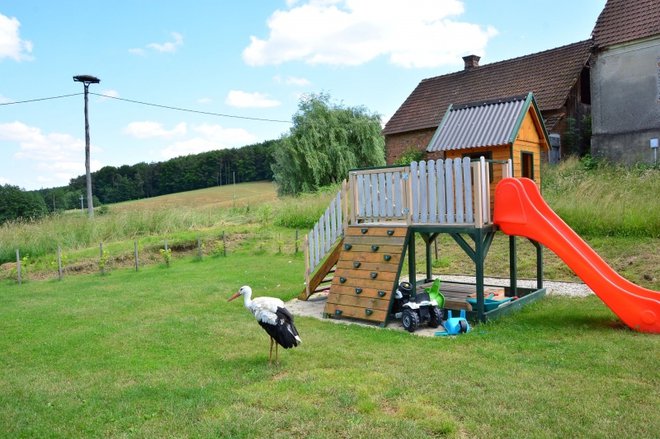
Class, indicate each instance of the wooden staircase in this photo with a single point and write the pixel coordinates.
(367, 273)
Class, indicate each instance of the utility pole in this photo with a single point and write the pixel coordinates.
(86, 80)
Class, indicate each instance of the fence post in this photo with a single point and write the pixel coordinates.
(135, 253)
(59, 262)
(307, 267)
(199, 248)
(224, 244)
(296, 243)
(18, 266)
(101, 261)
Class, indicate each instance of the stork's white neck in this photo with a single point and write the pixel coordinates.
(247, 299)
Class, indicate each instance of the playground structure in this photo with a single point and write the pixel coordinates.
(371, 226)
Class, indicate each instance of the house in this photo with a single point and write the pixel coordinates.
(625, 81)
(559, 79)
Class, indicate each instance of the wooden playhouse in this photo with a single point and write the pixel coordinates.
(366, 240)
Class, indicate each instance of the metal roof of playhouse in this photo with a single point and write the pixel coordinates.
(482, 124)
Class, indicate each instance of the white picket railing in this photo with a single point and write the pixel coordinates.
(325, 233)
(435, 192)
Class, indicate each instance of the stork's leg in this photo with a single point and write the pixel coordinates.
(277, 361)
(270, 354)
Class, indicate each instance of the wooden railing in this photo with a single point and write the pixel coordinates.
(435, 192)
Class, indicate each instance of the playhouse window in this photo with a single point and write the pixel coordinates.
(527, 159)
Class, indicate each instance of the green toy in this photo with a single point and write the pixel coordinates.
(435, 294)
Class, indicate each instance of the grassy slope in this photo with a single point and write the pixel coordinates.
(160, 353)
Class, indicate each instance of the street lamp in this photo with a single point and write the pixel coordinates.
(86, 80)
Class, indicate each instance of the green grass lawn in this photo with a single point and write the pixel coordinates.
(160, 353)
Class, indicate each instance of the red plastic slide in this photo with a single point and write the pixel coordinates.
(520, 210)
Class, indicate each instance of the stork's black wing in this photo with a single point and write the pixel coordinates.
(284, 332)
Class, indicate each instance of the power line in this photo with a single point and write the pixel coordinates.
(40, 99)
(188, 110)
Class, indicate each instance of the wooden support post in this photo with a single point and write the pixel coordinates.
(102, 262)
(307, 267)
(224, 244)
(18, 266)
(412, 270)
(539, 264)
(513, 265)
(296, 243)
(59, 262)
(479, 273)
(429, 262)
(199, 248)
(135, 253)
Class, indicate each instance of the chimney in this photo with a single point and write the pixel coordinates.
(471, 61)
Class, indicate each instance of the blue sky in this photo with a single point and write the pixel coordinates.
(251, 58)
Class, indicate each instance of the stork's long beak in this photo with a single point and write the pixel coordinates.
(236, 294)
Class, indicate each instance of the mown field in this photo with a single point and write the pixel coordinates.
(159, 352)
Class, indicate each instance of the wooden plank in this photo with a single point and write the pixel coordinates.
(360, 273)
(363, 194)
(458, 182)
(354, 312)
(382, 249)
(397, 188)
(359, 301)
(389, 194)
(440, 191)
(449, 190)
(363, 283)
(326, 232)
(382, 196)
(370, 266)
(374, 240)
(366, 292)
(414, 190)
(376, 231)
(374, 196)
(467, 188)
(332, 210)
(423, 193)
(433, 195)
(371, 257)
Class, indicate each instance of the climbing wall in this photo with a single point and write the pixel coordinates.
(366, 273)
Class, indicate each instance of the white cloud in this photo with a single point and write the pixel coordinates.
(166, 47)
(411, 33)
(242, 99)
(292, 80)
(209, 138)
(55, 157)
(204, 100)
(3, 181)
(148, 130)
(170, 46)
(11, 44)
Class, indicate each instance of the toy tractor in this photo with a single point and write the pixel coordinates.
(412, 314)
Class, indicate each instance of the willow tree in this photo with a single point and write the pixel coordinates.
(325, 142)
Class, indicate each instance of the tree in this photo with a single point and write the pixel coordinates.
(325, 142)
(18, 204)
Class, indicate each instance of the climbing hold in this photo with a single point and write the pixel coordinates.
(373, 275)
(387, 257)
(390, 232)
(368, 311)
(342, 280)
(374, 248)
(338, 312)
(381, 293)
(358, 290)
(365, 230)
(357, 264)
(347, 246)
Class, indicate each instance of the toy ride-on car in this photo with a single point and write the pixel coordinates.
(422, 310)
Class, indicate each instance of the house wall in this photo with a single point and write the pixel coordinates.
(528, 140)
(625, 87)
(397, 144)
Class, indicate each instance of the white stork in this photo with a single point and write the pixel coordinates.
(271, 315)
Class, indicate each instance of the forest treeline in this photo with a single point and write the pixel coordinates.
(112, 184)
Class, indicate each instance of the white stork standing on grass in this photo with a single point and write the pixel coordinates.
(276, 320)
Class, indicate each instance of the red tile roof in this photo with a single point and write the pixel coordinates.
(626, 20)
(550, 75)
